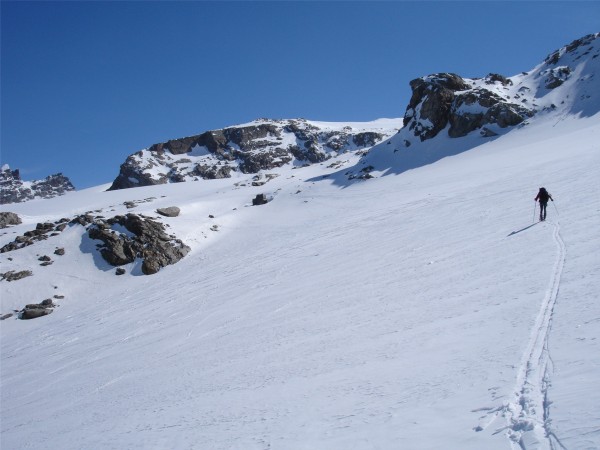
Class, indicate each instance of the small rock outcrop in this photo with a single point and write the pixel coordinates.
(146, 239)
(41, 232)
(15, 190)
(8, 218)
(33, 311)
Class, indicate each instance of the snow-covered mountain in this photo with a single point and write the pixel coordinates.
(15, 190)
(257, 146)
(424, 309)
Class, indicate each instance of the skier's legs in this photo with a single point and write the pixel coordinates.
(543, 210)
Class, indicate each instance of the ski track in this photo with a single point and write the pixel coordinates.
(529, 423)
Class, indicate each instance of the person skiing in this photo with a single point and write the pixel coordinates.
(543, 196)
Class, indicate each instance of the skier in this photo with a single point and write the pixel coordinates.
(542, 197)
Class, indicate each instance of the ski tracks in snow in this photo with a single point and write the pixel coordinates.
(528, 414)
(530, 426)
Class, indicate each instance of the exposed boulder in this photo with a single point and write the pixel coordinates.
(171, 211)
(9, 218)
(260, 199)
(35, 310)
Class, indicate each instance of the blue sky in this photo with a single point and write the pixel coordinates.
(85, 84)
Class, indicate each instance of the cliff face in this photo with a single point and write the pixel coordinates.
(261, 145)
(15, 190)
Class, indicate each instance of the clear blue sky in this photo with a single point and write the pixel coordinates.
(85, 84)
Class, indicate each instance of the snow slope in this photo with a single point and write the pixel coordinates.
(422, 310)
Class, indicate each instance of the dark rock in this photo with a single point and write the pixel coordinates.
(150, 243)
(6, 316)
(44, 258)
(213, 172)
(434, 95)
(496, 78)
(34, 313)
(59, 251)
(556, 76)
(446, 99)
(171, 211)
(260, 199)
(47, 263)
(120, 271)
(9, 218)
(14, 276)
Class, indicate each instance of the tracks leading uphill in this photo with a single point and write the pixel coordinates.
(530, 425)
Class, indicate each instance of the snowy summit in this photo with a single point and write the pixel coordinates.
(323, 286)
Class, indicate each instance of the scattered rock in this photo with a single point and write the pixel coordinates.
(120, 271)
(59, 251)
(6, 316)
(44, 258)
(171, 211)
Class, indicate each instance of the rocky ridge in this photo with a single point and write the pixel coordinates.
(15, 190)
(491, 105)
(260, 145)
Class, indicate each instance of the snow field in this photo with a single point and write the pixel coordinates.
(400, 312)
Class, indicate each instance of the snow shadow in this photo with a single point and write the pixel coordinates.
(88, 245)
(522, 229)
(404, 152)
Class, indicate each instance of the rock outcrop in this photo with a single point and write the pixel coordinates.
(447, 101)
(15, 190)
(259, 146)
(126, 238)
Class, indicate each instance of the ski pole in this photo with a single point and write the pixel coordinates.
(557, 214)
(534, 208)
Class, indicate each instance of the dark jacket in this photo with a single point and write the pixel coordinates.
(543, 196)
